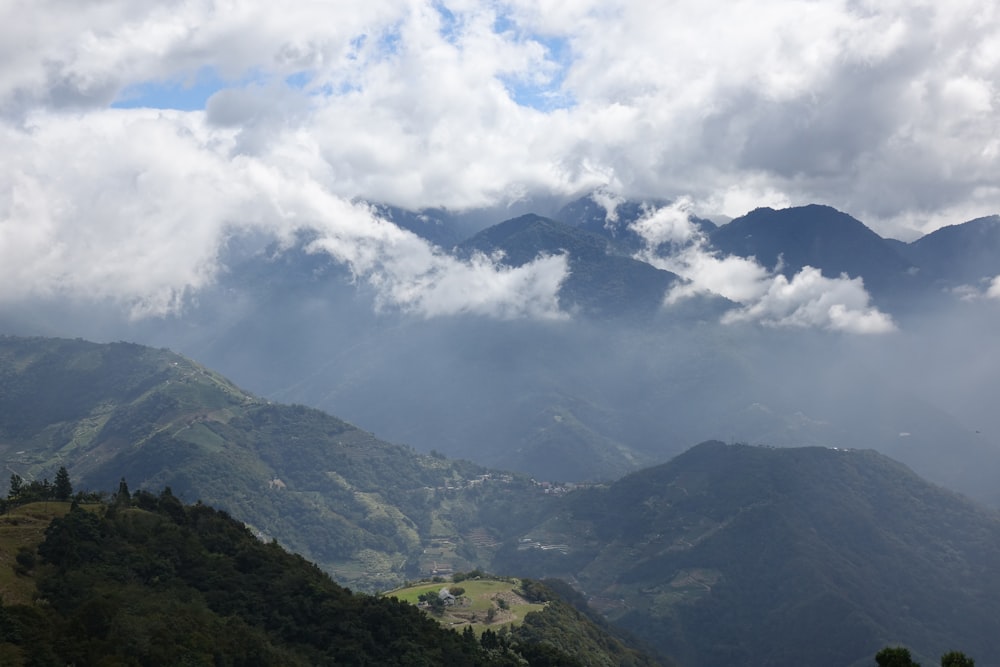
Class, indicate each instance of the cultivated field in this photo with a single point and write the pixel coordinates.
(485, 603)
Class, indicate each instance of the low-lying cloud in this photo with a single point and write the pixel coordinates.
(994, 289)
(470, 104)
(142, 224)
(808, 299)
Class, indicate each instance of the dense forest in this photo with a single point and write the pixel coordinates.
(146, 580)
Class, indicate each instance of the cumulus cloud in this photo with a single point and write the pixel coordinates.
(464, 104)
(788, 95)
(809, 299)
(667, 225)
(132, 206)
(993, 291)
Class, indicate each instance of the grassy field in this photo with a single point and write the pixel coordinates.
(474, 605)
(23, 526)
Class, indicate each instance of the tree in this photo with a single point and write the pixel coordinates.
(123, 497)
(16, 486)
(895, 656)
(25, 560)
(957, 659)
(64, 488)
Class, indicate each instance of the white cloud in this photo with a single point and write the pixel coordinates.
(809, 299)
(786, 94)
(132, 206)
(886, 110)
(609, 201)
(993, 291)
(667, 225)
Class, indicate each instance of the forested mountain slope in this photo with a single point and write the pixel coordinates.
(147, 580)
(739, 555)
(361, 508)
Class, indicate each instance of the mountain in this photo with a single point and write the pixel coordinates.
(586, 213)
(727, 554)
(821, 237)
(601, 283)
(436, 225)
(740, 555)
(147, 580)
(964, 254)
(618, 383)
(361, 508)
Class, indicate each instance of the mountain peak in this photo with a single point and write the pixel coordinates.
(814, 235)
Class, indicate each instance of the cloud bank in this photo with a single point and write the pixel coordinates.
(808, 300)
(142, 133)
(142, 224)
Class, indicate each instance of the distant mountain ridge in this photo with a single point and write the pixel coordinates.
(727, 554)
(359, 507)
(959, 254)
(739, 555)
(621, 381)
(819, 236)
(601, 282)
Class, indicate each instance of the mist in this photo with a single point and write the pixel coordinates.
(574, 397)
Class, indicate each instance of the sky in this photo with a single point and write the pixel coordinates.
(138, 136)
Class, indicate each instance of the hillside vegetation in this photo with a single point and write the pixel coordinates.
(741, 555)
(147, 580)
(728, 554)
(524, 612)
(365, 510)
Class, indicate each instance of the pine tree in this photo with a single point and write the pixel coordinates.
(123, 497)
(64, 488)
(16, 487)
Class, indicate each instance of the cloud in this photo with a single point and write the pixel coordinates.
(993, 291)
(667, 225)
(790, 96)
(132, 206)
(809, 299)
(887, 111)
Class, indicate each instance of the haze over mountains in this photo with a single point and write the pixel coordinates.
(538, 247)
(611, 335)
(728, 554)
(791, 327)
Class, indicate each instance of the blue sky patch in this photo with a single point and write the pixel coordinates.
(449, 23)
(549, 95)
(183, 94)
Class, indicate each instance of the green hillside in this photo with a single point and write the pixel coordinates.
(730, 555)
(740, 555)
(526, 611)
(146, 580)
(367, 511)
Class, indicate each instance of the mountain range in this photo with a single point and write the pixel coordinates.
(727, 554)
(622, 381)
(739, 555)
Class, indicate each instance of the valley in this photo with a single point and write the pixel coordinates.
(566, 448)
(603, 333)
(680, 555)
